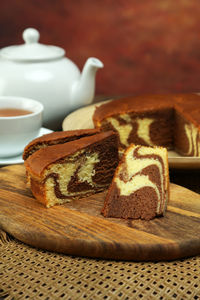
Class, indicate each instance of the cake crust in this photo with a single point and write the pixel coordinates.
(54, 138)
(141, 104)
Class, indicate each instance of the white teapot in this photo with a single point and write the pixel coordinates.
(42, 72)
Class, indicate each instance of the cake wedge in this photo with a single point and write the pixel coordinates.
(140, 186)
(58, 173)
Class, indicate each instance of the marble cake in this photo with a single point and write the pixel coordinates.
(171, 121)
(140, 186)
(76, 169)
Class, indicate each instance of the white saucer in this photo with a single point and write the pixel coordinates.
(18, 159)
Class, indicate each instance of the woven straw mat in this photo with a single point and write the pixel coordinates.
(29, 273)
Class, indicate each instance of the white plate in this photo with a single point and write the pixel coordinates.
(18, 159)
(82, 118)
(177, 161)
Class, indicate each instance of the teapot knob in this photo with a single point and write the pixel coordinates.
(31, 35)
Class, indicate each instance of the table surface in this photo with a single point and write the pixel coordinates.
(30, 273)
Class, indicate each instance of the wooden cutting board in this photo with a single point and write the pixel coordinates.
(78, 228)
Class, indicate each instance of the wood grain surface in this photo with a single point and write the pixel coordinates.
(78, 228)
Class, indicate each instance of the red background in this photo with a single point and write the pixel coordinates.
(146, 46)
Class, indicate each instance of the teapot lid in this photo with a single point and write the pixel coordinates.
(32, 50)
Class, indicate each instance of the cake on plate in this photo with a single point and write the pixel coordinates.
(140, 185)
(171, 121)
(61, 172)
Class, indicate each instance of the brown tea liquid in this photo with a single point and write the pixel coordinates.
(13, 112)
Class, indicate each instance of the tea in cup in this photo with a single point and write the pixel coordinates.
(20, 122)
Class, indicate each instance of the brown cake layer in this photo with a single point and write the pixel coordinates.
(134, 206)
(55, 138)
(140, 185)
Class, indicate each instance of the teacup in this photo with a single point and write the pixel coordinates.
(20, 122)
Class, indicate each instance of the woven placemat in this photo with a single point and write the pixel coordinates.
(29, 273)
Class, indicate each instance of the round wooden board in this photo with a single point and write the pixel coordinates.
(78, 228)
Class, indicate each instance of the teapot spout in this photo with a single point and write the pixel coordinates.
(83, 90)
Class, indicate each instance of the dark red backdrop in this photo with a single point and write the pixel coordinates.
(146, 46)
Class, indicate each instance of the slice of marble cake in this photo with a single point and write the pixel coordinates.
(57, 174)
(140, 186)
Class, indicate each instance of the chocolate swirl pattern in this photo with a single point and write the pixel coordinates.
(150, 120)
(62, 172)
(141, 178)
(76, 176)
(59, 177)
(124, 130)
(193, 137)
